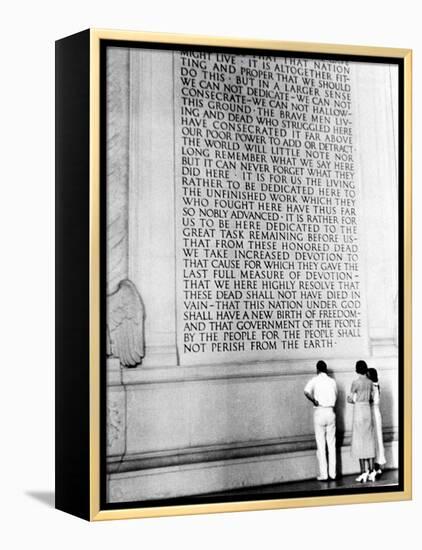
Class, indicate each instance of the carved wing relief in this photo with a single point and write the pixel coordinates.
(125, 324)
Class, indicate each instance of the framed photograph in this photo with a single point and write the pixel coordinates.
(233, 274)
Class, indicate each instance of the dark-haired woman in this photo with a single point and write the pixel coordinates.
(380, 461)
(363, 440)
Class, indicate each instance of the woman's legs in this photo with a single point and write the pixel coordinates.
(378, 468)
(367, 470)
(372, 476)
(363, 462)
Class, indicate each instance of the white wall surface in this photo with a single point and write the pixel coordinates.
(27, 272)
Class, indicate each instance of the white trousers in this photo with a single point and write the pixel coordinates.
(325, 436)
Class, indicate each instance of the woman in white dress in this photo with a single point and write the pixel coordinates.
(380, 461)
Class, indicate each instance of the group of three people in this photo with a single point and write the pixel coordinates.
(367, 442)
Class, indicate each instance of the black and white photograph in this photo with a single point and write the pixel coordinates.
(210, 264)
(252, 346)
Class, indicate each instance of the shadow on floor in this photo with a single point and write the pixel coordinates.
(45, 497)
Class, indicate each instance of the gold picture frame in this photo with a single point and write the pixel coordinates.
(83, 472)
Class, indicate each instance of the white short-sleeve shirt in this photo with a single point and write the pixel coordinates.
(323, 389)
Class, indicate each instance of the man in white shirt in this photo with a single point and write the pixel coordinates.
(321, 390)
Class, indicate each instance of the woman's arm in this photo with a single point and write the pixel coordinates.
(351, 398)
(375, 395)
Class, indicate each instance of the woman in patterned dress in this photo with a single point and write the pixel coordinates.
(363, 440)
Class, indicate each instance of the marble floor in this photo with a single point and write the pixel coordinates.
(388, 479)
